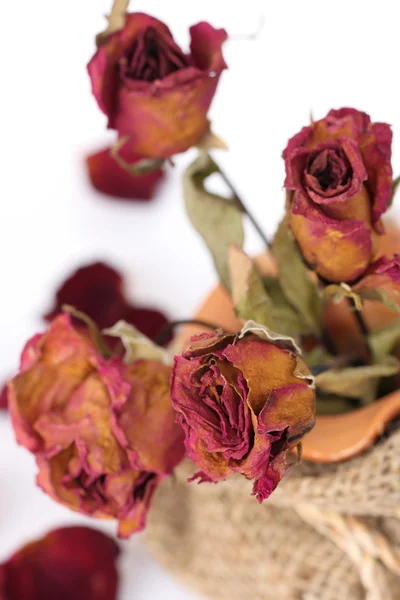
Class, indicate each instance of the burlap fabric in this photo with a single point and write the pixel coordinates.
(329, 532)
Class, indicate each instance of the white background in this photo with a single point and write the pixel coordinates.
(309, 56)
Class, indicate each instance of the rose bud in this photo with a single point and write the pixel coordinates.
(69, 562)
(103, 433)
(244, 401)
(155, 95)
(339, 174)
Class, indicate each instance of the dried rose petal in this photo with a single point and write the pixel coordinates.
(97, 290)
(109, 178)
(4, 398)
(69, 562)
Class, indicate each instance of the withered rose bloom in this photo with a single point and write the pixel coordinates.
(339, 175)
(243, 402)
(69, 562)
(103, 433)
(153, 93)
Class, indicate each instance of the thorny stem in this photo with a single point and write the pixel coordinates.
(168, 327)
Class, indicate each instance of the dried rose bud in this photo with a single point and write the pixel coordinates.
(103, 433)
(69, 562)
(243, 401)
(153, 93)
(338, 170)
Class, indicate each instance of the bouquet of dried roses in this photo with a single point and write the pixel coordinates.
(305, 335)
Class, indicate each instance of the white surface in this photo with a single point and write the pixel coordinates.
(310, 55)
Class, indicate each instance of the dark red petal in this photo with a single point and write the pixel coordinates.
(70, 562)
(109, 178)
(95, 289)
(4, 401)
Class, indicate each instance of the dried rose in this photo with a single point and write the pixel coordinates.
(3, 398)
(103, 433)
(69, 562)
(243, 401)
(339, 172)
(109, 178)
(155, 95)
(98, 290)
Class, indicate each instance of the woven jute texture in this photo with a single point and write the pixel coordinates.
(329, 532)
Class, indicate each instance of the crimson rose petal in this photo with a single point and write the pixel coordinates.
(4, 398)
(69, 562)
(109, 178)
(97, 290)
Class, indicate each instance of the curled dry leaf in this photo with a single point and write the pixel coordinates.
(217, 219)
(357, 382)
(337, 292)
(116, 20)
(297, 285)
(136, 344)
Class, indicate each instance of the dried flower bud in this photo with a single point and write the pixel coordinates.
(338, 170)
(103, 433)
(243, 401)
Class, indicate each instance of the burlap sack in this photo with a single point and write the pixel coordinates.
(329, 532)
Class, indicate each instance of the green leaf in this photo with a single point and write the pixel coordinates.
(380, 295)
(218, 220)
(383, 341)
(249, 295)
(136, 344)
(297, 286)
(357, 382)
(338, 292)
(261, 298)
(318, 356)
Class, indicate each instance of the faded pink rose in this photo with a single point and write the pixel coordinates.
(69, 562)
(339, 175)
(103, 433)
(243, 403)
(154, 94)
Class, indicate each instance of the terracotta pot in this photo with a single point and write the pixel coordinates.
(334, 438)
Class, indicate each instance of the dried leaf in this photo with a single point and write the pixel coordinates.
(383, 341)
(138, 167)
(338, 292)
(116, 20)
(218, 220)
(136, 344)
(357, 382)
(248, 292)
(210, 140)
(261, 298)
(380, 295)
(300, 291)
(333, 405)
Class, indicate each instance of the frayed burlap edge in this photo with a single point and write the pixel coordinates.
(329, 532)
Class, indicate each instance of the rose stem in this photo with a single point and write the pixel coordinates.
(166, 329)
(239, 202)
